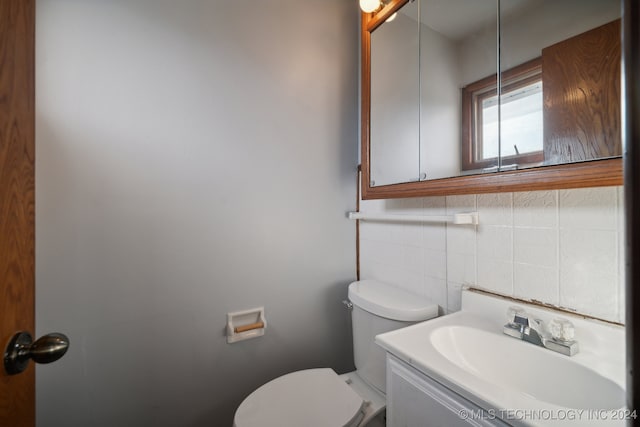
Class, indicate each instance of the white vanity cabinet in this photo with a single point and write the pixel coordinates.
(415, 400)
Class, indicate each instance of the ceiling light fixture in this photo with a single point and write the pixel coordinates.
(369, 6)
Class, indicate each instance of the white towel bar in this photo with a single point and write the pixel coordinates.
(458, 218)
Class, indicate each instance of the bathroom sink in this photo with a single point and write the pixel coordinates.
(468, 353)
(522, 367)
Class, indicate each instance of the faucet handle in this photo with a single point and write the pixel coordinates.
(540, 327)
(517, 315)
(562, 330)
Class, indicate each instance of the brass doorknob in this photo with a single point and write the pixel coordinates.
(21, 349)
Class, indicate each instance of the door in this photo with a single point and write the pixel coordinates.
(17, 204)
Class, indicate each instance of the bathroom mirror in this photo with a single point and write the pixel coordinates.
(561, 77)
(395, 98)
(469, 129)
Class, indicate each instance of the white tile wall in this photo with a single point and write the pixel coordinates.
(562, 247)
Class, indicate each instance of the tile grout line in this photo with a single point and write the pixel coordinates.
(558, 246)
(619, 253)
(513, 248)
(475, 240)
(446, 256)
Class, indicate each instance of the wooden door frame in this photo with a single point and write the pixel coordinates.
(17, 200)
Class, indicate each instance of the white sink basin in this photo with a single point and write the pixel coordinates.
(468, 353)
(523, 367)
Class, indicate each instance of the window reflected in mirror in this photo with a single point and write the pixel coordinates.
(520, 121)
(517, 119)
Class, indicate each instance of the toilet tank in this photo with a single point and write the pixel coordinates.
(377, 308)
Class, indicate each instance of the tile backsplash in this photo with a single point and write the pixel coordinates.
(559, 247)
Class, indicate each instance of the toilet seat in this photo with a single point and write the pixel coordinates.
(310, 398)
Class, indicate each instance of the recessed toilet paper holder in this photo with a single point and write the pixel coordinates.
(245, 324)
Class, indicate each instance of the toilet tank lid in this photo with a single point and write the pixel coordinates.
(391, 302)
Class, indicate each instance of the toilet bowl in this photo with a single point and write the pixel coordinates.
(322, 398)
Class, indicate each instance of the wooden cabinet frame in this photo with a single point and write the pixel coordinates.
(596, 173)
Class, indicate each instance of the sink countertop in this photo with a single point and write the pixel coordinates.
(602, 350)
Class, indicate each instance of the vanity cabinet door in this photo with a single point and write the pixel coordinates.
(415, 400)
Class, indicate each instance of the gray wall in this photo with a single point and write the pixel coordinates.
(193, 158)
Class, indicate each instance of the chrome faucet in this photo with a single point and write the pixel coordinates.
(534, 331)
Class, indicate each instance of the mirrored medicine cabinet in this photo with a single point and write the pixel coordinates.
(483, 96)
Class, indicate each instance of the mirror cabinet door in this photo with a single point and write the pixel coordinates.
(395, 100)
(560, 82)
(458, 46)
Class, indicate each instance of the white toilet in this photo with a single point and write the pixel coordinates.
(321, 397)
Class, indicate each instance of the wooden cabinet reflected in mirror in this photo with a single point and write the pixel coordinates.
(566, 85)
(581, 80)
